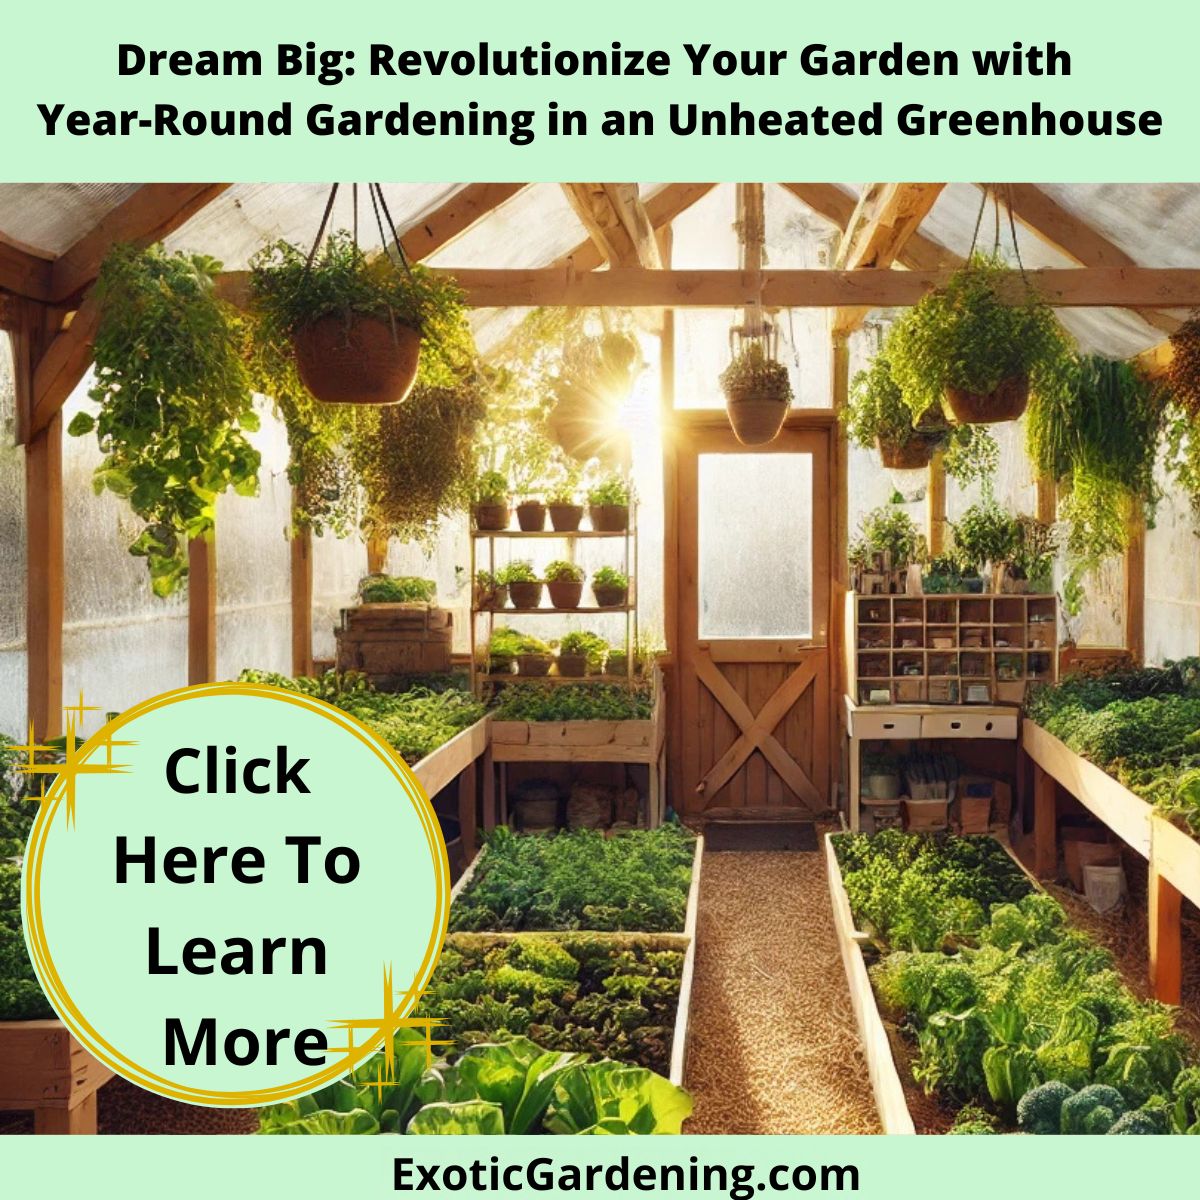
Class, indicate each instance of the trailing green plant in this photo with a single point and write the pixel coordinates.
(974, 333)
(414, 723)
(753, 372)
(1183, 373)
(612, 490)
(289, 293)
(397, 589)
(985, 533)
(636, 880)
(174, 399)
(1098, 436)
(518, 571)
(1033, 553)
(590, 645)
(876, 410)
(574, 702)
(612, 998)
(610, 577)
(971, 455)
(561, 571)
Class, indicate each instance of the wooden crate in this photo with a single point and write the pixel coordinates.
(44, 1069)
(388, 641)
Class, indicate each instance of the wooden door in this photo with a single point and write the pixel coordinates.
(754, 617)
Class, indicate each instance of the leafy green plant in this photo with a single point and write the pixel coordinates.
(610, 577)
(972, 334)
(561, 571)
(518, 571)
(877, 412)
(589, 645)
(888, 530)
(571, 992)
(506, 644)
(174, 402)
(1032, 554)
(397, 589)
(613, 490)
(985, 534)
(490, 487)
(574, 702)
(636, 880)
(754, 373)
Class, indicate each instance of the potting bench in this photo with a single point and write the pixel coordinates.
(1173, 857)
(43, 1069)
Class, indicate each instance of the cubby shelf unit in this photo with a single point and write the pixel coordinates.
(949, 649)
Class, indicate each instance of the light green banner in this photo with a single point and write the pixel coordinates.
(1066, 65)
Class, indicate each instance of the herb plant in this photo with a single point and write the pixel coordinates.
(574, 702)
(561, 571)
(588, 645)
(397, 589)
(519, 571)
(887, 530)
(754, 374)
(613, 490)
(610, 577)
(490, 487)
(985, 534)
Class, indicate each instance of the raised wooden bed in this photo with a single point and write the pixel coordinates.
(456, 759)
(43, 1069)
(1172, 855)
(686, 937)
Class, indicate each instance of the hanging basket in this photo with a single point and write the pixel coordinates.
(1005, 402)
(912, 455)
(357, 360)
(756, 419)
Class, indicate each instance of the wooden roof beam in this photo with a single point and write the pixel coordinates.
(884, 220)
(22, 272)
(448, 221)
(617, 223)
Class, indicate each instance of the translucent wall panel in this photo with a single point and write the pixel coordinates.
(1172, 582)
(12, 557)
(338, 565)
(755, 560)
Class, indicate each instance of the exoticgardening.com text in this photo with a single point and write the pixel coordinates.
(739, 1181)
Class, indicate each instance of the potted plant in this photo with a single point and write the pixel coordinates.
(1030, 564)
(358, 325)
(503, 647)
(617, 663)
(531, 515)
(397, 589)
(881, 776)
(175, 402)
(758, 393)
(888, 532)
(564, 581)
(581, 653)
(490, 593)
(985, 535)
(534, 657)
(877, 416)
(980, 344)
(490, 502)
(941, 575)
(608, 504)
(524, 587)
(610, 587)
(566, 512)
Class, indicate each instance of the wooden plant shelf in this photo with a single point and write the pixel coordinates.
(560, 680)
(686, 938)
(44, 1069)
(589, 610)
(1172, 855)
(546, 533)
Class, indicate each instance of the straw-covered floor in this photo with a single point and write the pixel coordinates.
(773, 1045)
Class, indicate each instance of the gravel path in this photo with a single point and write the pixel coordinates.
(773, 1047)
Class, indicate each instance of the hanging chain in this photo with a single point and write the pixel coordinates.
(333, 191)
(978, 220)
(1012, 225)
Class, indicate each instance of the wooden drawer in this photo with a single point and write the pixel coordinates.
(885, 725)
(969, 725)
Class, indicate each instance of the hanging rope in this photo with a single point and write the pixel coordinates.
(333, 191)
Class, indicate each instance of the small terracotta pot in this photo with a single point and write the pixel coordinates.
(526, 595)
(492, 517)
(913, 455)
(533, 664)
(573, 666)
(360, 360)
(609, 518)
(565, 517)
(1006, 402)
(609, 596)
(616, 664)
(565, 593)
(531, 516)
(491, 598)
(755, 420)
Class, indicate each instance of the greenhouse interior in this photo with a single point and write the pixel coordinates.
(787, 594)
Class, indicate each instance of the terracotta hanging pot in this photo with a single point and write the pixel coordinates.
(756, 419)
(912, 455)
(357, 359)
(1005, 402)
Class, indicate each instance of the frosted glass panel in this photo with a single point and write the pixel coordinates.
(755, 522)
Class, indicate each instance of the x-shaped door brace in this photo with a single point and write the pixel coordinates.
(757, 730)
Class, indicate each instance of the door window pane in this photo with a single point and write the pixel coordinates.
(755, 521)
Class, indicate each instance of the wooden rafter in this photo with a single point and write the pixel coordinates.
(1044, 217)
(467, 206)
(884, 219)
(22, 272)
(1157, 360)
(662, 208)
(616, 221)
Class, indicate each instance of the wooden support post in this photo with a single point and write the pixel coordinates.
(467, 792)
(302, 600)
(1166, 943)
(1045, 823)
(936, 501)
(202, 610)
(840, 573)
(79, 1118)
(1135, 590)
(377, 552)
(44, 571)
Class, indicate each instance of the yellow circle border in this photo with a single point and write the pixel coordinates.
(79, 1026)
